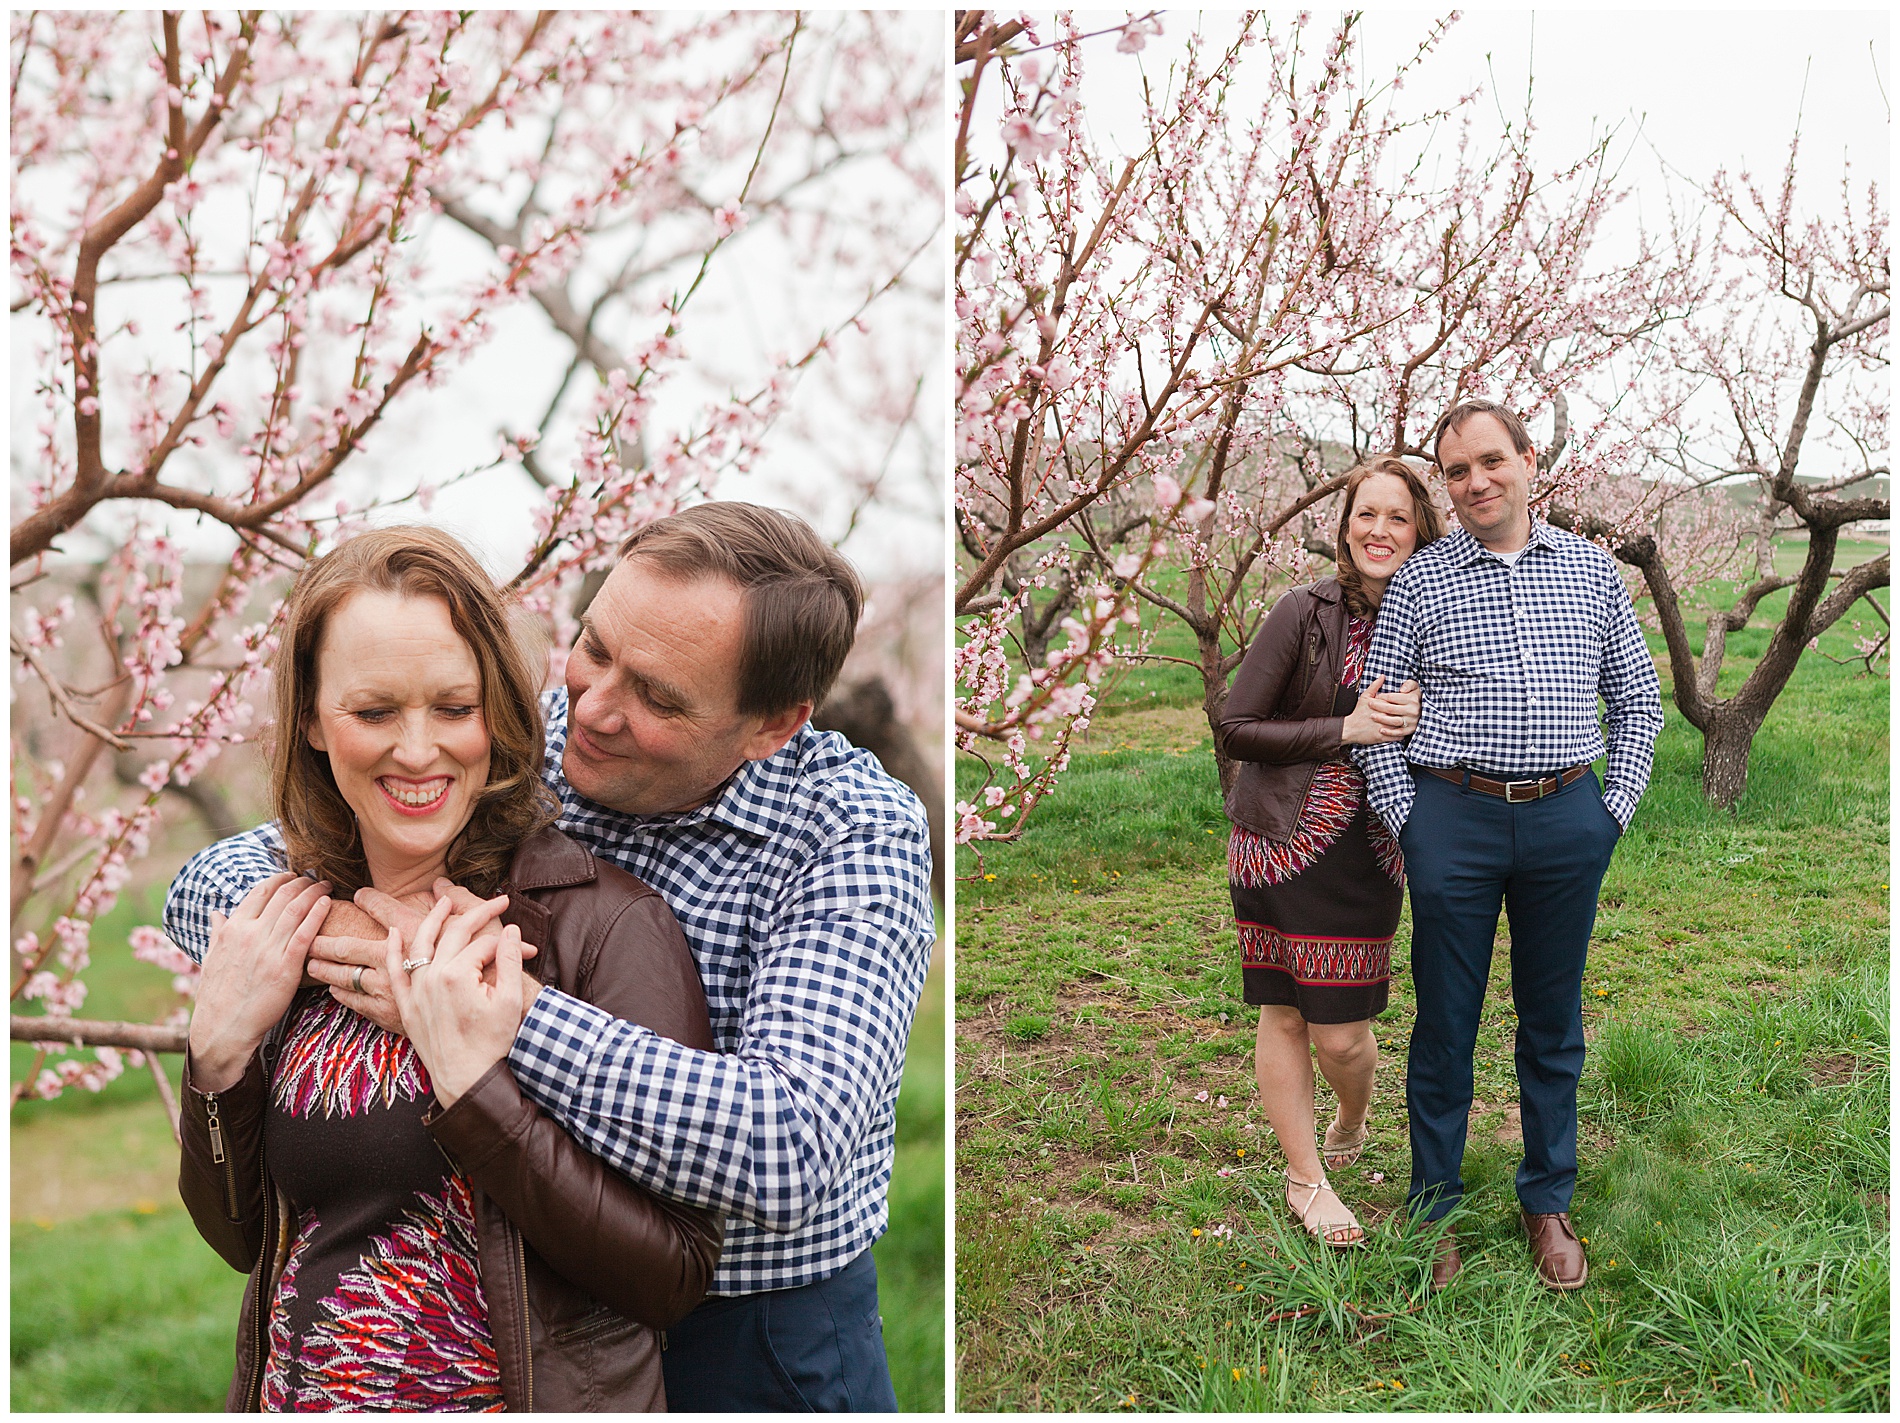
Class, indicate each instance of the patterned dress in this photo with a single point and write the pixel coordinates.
(1316, 912)
(380, 1305)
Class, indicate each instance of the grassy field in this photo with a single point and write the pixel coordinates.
(117, 1305)
(1121, 1237)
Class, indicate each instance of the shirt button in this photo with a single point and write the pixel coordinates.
(1533, 701)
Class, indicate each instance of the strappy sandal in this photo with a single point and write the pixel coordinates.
(1340, 1234)
(1345, 1148)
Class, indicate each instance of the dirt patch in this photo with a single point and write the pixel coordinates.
(1177, 729)
(120, 1157)
(988, 1028)
(1836, 1070)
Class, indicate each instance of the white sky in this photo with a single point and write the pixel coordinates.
(1699, 89)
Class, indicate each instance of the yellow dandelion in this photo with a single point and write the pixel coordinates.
(1236, 1374)
(1196, 1231)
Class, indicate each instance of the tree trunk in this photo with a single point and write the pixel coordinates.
(1214, 696)
(1725, 746)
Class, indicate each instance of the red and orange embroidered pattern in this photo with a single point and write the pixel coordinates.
(409, 1330)
(1316, 962)
(1331, 802)
(341, 1062)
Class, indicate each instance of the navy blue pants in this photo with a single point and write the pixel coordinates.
(816, 1348)
(1466, 855)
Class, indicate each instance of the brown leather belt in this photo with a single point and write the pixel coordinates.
(1516, 792)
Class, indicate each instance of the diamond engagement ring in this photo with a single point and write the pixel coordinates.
(411, 965)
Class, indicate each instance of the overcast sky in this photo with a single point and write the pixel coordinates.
(1697, 89)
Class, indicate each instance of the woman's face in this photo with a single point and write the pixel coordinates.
(399, 713)
(1382, 530)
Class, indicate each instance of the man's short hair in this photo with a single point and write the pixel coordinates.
(1459, 415)
(802, 598)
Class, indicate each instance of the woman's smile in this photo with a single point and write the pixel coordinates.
(415, 797)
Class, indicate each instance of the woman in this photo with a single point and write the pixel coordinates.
(417, 1240)
(1316, 878)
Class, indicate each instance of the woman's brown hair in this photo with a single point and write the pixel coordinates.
(1426, 518)
(320, 832)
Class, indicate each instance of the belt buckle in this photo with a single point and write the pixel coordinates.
(1513, 798)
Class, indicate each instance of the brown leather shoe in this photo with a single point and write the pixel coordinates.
(1446, 1264)
(1558, 1252)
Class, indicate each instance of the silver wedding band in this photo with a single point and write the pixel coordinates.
(356, 980)
(411, 965)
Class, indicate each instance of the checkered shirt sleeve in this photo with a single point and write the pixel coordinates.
(217, 878)
(1511, 660)
(766, 1132)
(1632, 701)
(1393, 656)
(804, 893)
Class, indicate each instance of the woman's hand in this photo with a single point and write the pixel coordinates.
(461, 1014)
(1382, 716)
(251, 973)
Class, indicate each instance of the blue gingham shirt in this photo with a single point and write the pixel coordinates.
(1510, 659)
(803, 889)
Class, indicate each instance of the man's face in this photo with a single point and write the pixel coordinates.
(653, 724)
(1489, 481)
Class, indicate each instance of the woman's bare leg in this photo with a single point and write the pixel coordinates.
(1283, 1066)
(1349, 1060)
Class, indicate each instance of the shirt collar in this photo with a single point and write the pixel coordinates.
(1466, 550)
(752, 800)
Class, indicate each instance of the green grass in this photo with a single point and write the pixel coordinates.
(1734, 1143)
(910, 1256)
(121, 1312)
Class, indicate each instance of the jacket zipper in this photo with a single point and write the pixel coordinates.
(260, 1312)
(527, 1352)
(267, 1253)
(220, 1157)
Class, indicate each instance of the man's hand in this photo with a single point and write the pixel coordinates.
(355, 937)
(348, 955)
(462, 1015)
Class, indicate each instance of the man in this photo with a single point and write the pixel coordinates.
(1513, 629)
(800, 874)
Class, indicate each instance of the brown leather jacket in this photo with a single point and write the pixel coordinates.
(1278, 722)
(580, 1267)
